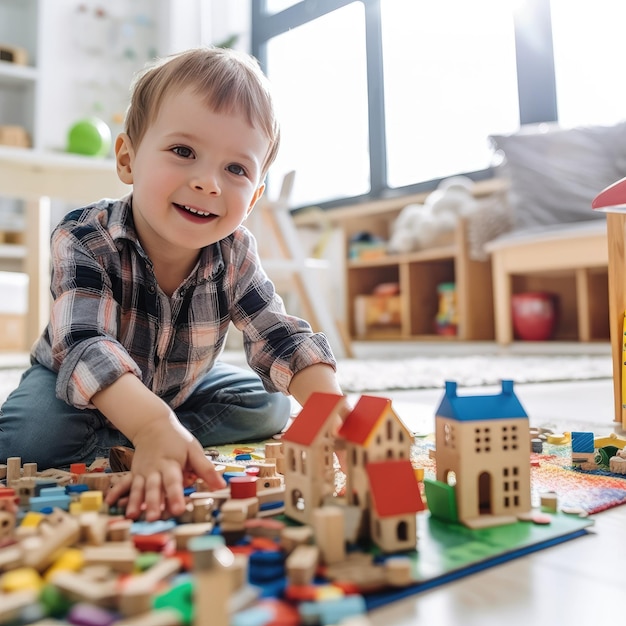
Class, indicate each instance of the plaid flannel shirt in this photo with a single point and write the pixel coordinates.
(109, 315)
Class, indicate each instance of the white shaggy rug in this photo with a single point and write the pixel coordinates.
(431, 372)
(357, 375)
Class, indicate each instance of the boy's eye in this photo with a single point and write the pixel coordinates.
(182, 151)
(236, 169)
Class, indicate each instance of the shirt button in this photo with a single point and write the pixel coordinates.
(151, 289)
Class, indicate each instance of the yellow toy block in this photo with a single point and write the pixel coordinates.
(91, 500)
(559, 439)
(21, 579)
(609, 440)
(70, 560)
(31, 519)
(328, 592)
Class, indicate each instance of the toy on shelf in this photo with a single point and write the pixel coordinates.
(380, 311)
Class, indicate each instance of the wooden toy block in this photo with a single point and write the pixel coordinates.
(11, 556)
(549, 502)
(14, 470)
(136, 594)
(259, 527)
(61, 477)
(243, 487)
(97, 482)
(94, 528)
(3, 471)
(7, 525)
(213, 583)
(328, 525)
(80, 588)
(58, 530)
(119, 556)
(29, 469)
(70, 560)
(293, 536)
(301, 565)
(91, 500)
(119, 529)
(160, 617)
(239, 510)
(275, 451)
(11, 604)
(271, 494)
(363, 574)
(267, 476)
(399, 571)
(183, 533)
(202, 510)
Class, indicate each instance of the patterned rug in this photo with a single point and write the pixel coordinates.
(356, 375)
(589, 491)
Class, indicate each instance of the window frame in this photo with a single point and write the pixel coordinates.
(535, 78)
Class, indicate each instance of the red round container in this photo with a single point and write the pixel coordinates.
(535, 315)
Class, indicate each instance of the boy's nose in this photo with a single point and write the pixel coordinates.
(206, 182)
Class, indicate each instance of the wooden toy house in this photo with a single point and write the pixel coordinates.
(396, 499)
(372, 432)
(309, 456)
(483, 445)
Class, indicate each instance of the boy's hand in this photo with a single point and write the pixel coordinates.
(163, 453)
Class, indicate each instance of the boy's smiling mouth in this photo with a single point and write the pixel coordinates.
(195, 212)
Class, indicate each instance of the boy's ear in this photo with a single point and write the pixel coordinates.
(124, 156)
(255, 198)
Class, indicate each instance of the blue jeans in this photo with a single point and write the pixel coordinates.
(229, 405)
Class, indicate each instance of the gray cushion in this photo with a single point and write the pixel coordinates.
(556, 172)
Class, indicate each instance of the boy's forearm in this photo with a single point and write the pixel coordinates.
(319, 377)
(130, 406)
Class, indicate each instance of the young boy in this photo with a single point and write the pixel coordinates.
(144, 289)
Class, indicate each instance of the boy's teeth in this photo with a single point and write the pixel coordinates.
(191, 210)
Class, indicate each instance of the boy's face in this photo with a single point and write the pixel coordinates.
(196, 175)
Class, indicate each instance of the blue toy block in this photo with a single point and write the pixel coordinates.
(333, 610)
(42, 503)
(583, 442)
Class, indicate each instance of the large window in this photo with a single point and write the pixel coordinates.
(383, 97)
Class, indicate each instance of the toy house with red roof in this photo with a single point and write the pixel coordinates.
(484, 443)
(309, 456)
(396, 500)
(372, 432)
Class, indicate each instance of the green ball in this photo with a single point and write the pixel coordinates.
(90, 137)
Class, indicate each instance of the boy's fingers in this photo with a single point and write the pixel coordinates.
(153, 496)
(136, 497)
(173, 486)
(205, 469)
(119, 489)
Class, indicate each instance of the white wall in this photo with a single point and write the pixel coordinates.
(87, 59)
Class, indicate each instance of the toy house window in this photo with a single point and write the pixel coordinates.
(389, 430)
(448, 435)
(291, 460)
(303, 462)
(355, 458)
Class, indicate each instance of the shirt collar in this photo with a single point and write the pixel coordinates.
(122, 227)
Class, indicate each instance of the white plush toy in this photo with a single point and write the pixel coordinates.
(420, 226)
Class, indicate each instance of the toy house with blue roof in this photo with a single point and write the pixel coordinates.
(482, 447)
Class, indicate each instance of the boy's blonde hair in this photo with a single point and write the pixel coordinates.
(230, 81)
